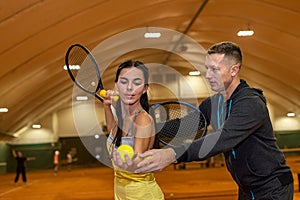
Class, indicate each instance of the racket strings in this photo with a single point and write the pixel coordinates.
(179, 123)
(86, 76)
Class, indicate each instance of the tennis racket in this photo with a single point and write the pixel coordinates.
(178, 123)
(86, 74)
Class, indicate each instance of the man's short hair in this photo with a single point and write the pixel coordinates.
(229, 49)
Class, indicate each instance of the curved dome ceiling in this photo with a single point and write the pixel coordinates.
(36, 34)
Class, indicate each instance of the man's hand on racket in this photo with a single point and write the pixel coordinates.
(155, 160)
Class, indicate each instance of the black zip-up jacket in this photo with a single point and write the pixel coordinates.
(244, 133)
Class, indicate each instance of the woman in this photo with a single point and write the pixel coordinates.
(133, 125)
(56, 162)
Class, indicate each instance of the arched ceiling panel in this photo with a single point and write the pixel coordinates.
(36, 34)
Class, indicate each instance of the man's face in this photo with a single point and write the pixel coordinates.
(218, 72)
(19, 153)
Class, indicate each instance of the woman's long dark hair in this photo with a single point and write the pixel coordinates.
(143, 100)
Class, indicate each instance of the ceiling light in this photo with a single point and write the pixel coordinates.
(82, 98)
(36, 126)
(245, 33)
(72, 67)
(194, 73)
(152, 35)
(3, 110)
(291, 114)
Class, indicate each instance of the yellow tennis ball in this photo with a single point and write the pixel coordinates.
(103, 93)
(125, 149)
(116, 98)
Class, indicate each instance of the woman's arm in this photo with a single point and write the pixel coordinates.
(107, 103)
(144, 140)
(144, 132)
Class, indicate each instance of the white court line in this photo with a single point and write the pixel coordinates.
(17, 188)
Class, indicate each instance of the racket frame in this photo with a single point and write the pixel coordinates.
(201, 116)
(90, 55)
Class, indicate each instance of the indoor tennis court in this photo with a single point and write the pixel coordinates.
(42, 110)
(97, 183)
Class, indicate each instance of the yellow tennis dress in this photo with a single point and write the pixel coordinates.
(131, 186)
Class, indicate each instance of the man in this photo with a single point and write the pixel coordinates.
(242, 132)
(21, 165)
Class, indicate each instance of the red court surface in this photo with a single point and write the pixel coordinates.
(97, 183)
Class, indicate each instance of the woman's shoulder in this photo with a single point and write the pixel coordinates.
(144, 125)
(143, 118)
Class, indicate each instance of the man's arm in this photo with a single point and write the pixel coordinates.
(242, 122)
(30, 158)
(156, 160)
(14, 153)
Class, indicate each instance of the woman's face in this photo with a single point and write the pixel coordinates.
(131, 85)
